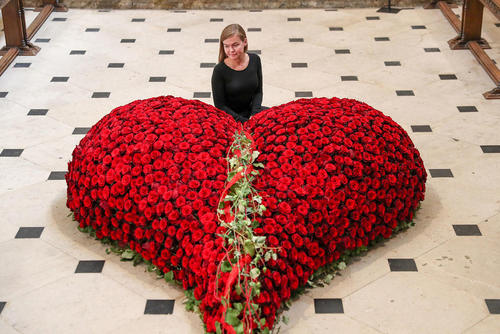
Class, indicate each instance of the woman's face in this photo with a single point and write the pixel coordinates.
(234, 47)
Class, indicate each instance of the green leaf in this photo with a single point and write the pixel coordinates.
(239, 328)
(341, 265)
(137, 259)
(226, 267)
(128, 254)
(232, 317)
(255, 155)
(285, 320)
(238, 307)
(259, 239)
(169, 277)
(249, 247)
(254, 273)
(217, 328)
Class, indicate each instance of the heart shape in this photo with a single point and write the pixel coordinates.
(337, 174)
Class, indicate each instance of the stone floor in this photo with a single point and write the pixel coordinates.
(92, 61)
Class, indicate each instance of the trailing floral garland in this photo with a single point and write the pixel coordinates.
(246, 252)
(335, 176)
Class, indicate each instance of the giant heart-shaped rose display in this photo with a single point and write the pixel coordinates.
(337, 174)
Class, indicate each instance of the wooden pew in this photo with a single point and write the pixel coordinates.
(17, 36)
(469, 35)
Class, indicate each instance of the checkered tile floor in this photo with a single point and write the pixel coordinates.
(442, 276)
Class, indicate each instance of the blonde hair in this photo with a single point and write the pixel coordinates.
(230, 30)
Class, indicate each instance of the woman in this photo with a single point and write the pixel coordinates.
(237, 78)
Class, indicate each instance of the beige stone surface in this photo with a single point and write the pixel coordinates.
(455, 274)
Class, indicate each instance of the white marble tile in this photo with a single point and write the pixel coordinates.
(91, 303)
(36, 264)
(408, 303)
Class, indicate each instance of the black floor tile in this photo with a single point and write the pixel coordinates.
(100, 95)
(22, 65)
(293, 19)
(77, 52)
(490, 148)
(89, 267)
(29, 232)
(11, 152)
(467, 108)
(174, 30)
(157, 79)
(139, 20)
(440, 172)
(303, 94)
(3, 94)
(381, 39)
(328, 305)
(392, 63)
(201, 95)
(254, 29)
(80, 131)
(207, 65)
(421, 128)
(127, 40)
(296, 40)
(57, 175)
(405, 93)
(467, 230)
(216, 19)
(349, 78)
(497, 24)
(372, 18)
(336, 28)
(166, 52)
(418, 27)
(2, 305)
(92, 29)
(38, 112)
(42, 40)
(493, 305)
(447, 77)
(255, 51)
(59, 19)
(299, 65)
(159, 306)
(211, 40)
(402, 265)
(59, 79)
(432, 50)
(342, 51)
(116, 65)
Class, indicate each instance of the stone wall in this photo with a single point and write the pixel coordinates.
(229, 4)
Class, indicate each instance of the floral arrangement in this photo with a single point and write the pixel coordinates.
(244, 217)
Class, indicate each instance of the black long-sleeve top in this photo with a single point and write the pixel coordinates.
(239, 93)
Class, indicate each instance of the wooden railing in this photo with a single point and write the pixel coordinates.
(469, 35)
(17, 36)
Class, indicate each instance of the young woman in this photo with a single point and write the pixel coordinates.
(237, 78)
